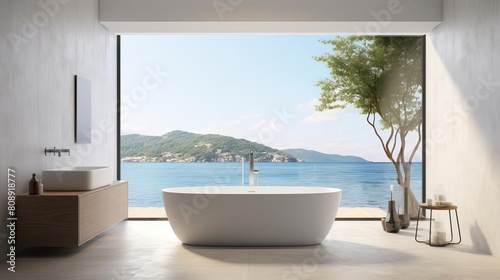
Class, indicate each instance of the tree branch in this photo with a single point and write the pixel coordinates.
(418, 142)
(387, 153)
(389, 139)
(395, 141)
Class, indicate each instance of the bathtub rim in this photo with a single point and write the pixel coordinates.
(257, 190)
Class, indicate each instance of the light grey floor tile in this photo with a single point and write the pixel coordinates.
(352, 250)
(188, 272)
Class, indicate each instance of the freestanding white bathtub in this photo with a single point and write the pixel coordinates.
(251, 216)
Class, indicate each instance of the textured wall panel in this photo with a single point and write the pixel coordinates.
(463, 97)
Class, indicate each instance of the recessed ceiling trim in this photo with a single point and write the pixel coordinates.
(368, 28)
(373, 17)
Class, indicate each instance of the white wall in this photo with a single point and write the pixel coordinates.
(41, 49)
(463, 119)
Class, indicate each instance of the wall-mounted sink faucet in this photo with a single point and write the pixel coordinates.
(56, 151)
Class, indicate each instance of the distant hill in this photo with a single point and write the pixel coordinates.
(182, 146)
(314, 156)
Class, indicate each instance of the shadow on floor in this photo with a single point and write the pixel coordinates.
(329, 251)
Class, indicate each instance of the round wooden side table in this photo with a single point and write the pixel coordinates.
(439, 208)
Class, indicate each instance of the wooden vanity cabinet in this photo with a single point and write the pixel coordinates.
(69, 218)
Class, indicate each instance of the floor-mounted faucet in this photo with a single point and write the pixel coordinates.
(251, 171)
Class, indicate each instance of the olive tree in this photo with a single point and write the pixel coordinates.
(382, 77)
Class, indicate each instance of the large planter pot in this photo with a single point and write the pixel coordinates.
(405, 217)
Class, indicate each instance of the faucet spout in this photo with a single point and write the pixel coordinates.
(251, 171)
(56, 151)
(66, 151)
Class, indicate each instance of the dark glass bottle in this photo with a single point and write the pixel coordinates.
(33, 185)
(392, 221)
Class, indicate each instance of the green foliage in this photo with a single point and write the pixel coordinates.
(381, 75)
(180, 146)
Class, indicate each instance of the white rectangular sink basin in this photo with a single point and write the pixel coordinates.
(80, 178)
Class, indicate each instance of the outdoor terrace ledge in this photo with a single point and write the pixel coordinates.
(344, 213)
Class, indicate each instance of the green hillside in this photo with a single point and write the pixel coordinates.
(181, 146)
(314, 156)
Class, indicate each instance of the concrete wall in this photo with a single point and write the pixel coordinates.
(463, 119)
(42, 47)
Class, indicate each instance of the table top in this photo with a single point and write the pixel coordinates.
(435, 207)
(74, 193)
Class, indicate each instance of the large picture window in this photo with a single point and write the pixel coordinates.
(194, 106)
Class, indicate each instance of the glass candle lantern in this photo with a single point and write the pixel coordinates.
(440, 194)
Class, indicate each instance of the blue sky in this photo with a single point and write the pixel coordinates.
(256, 87)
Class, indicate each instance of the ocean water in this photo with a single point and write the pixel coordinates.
(363, 184)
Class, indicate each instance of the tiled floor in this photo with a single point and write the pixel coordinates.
(353, 250)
